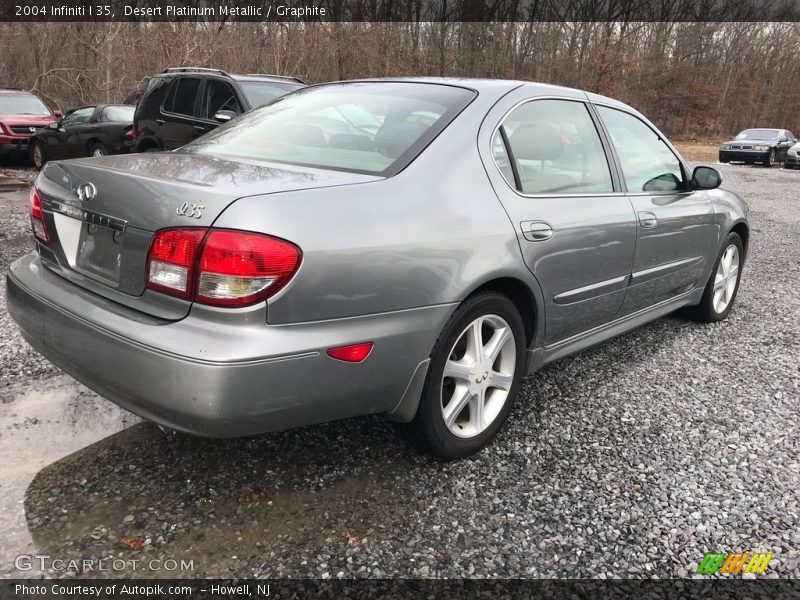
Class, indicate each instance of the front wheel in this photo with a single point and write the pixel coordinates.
(38, 157)
(723, 285)
(770, 159)
(476, 368)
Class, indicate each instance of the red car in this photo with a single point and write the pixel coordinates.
(21, 114)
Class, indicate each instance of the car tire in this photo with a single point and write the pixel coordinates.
(770, 159)
(99, 150)
(484, 406)
(714, 307)
(724, 160)
(38, 155)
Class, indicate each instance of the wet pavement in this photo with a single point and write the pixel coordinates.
(631, 459)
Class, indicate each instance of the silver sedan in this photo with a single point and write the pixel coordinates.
(411, 248)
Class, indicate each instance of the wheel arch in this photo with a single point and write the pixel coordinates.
(146, 143)
(743, 231)
(523, 297)
(90, 143)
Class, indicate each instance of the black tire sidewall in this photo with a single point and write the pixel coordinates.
(101, 147)
(429, 415)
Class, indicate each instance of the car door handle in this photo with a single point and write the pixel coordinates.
(536, 231)
(647, 220)
(160, 121)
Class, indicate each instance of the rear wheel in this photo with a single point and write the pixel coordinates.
(723, 285)
(476, 368)
(99, 150)
(38, 156)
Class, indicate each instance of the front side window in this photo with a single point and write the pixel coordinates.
(218, 96)
(182, 96)
(375, 127)
(22, 104)
(648, 164)
(77, 117)
(554, 149)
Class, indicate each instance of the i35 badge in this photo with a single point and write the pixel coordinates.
(86, 192)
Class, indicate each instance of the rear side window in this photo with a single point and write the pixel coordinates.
(648, 164)
(182, 96)
(218, 96)
(553, 148)
(370, 127)
(117, 114)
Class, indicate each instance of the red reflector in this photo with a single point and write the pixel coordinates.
(354, 353)
(37, 217)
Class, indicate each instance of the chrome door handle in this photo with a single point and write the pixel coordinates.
(160, 121)
(647, 220)
(536, 231)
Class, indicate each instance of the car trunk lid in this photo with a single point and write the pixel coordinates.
(101, 213)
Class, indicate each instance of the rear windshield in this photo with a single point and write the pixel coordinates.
(259, 93)
(758, 134)
(370, 127)
(122, 114)
(22, 104)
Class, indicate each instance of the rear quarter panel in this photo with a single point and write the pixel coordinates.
(427, 236)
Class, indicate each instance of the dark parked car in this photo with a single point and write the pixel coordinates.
(21, 114)
(86, 131)
(765, 146)
(183, 103)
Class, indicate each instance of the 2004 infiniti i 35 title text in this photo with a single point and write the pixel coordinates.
(404, 247)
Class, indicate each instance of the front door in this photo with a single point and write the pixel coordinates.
(577, 230)
(675, 223)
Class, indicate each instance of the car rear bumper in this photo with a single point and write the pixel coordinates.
(172, 373)
(742, 156)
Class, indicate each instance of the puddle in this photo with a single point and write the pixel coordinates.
(232, 507)
(41, 424)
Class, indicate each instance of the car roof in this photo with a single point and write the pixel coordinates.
(501, 87)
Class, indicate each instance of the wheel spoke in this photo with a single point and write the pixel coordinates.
(496, 343)
(475, 340)
(719, 282)
(501, 381)
(455, 407)
(457, 370)
(477, 405)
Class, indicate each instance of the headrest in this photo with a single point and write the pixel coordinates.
(536, 141)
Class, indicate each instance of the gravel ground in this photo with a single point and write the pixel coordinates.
(631, 459)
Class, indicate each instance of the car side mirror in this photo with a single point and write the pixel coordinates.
(223, 116)
(706, 178)
(54, 125)
(57, 114)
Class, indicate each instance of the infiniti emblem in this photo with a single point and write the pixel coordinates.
(86, 192)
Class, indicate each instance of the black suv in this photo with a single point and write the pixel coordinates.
(183, 103)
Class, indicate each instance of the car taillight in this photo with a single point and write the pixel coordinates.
(223, 268)
(129, 133)
(37, 217)
(171, 260)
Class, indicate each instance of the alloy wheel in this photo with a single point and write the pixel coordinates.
(38, 159)
(478, 376)
(726, 278)
(98, 152)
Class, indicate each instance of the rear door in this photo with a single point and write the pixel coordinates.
(547, 161)
(217, 95)
(178, 112)
(675, 227)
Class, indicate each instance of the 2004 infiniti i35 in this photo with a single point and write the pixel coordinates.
(405, 247)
